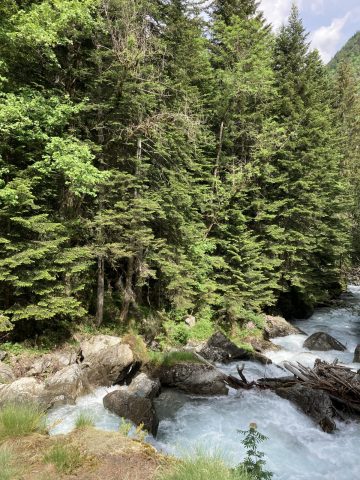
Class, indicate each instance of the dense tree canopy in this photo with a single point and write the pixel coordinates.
(158, 161)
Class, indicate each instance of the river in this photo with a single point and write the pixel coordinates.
(296, 448)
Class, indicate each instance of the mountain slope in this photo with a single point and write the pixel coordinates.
(350, 52)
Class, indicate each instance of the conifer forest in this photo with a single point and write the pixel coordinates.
(179, 239)
(168, 158)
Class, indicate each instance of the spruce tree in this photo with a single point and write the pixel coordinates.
(311, 215)
(240, 219)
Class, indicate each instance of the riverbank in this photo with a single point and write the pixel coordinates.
(99, 455)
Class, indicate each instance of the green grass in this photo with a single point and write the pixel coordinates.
(168, 359)
(8, 470)
(84, 419)
(20, 420)
(23, 349)
(203, 467)
(65, 458)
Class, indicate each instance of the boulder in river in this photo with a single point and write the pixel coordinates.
(279, 327)
(106, 358)
(69, 382)
(139, 410)
(357, 355)
(220, 349)
(192, 377)
(322, 342)
(143, 386)
(315, 403)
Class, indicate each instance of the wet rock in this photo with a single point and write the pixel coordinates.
(143, 386)
(220, 349)
(139, 410)
(261, 358)
(3, 355)
(6, 373)
(357, 355)
(315, 403)
(67, 384)
(106, 358)
(279, 327)
(196, 378)
(322, 342)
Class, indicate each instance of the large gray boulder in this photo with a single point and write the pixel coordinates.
(106, 359)
(315, 403)
(67, 384)
(138, 409)
(196, 378)
(25, 389)
(322, 342)
(279, 327)
(6, 373)
(143, 386)
(357, 355)
(220, 349)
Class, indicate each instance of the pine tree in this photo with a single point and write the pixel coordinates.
(313, 242)
(240, 219)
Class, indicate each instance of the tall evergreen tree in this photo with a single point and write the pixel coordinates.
(240, 219)
(313, 241)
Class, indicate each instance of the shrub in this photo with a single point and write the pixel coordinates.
(21, 419)
(254, 462)
(125, 427)
(83, 420)
(7, 464)
(203, 467)
(172, 358)
(203, 329)
(65, 458)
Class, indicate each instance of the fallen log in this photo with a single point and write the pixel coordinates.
(230, 380)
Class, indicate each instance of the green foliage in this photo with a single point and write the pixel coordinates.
(65, 458)
(155, 161)
(204, 327)
(125, 427)
(254, 462)
(203, 467)
(8, 469)
(84, 419)
(17, 420)
(349, 54)
(172, 358)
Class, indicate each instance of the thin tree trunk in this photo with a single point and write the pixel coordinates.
(128, 291)
(100, 291)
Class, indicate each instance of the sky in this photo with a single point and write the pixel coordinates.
(330, 22)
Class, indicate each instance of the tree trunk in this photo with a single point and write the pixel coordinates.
(100, 291)
(128, 291)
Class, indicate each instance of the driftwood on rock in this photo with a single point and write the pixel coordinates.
(339, 381)
(320, 391)
(230, 380)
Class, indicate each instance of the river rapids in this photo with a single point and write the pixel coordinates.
(296, 448)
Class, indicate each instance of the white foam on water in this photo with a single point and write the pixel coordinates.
(62, 419)
(296, 450)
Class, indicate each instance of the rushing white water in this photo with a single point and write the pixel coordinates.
(296, 450)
